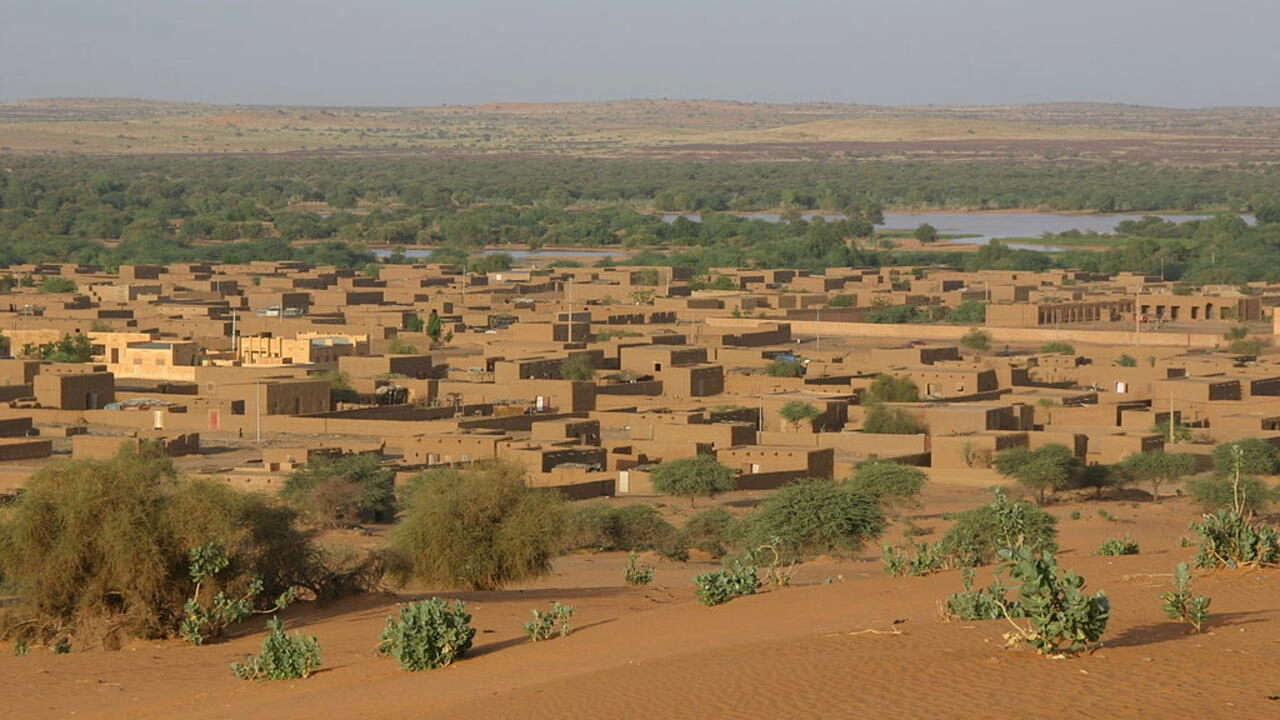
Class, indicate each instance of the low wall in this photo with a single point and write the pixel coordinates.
(1155, 338)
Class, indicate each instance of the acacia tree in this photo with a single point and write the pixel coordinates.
(342, 491)
(890, 482)
(891, 388)
(1044, 470)
(694, 477)
(1158, 467)
(797, 411)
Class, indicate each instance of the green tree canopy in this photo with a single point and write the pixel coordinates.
(342, 491)
(1045, 470)
(798, 411)
(1158, 467)
(891, 388)
(892, 483)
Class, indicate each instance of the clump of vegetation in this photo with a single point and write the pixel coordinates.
(343, 491)
(976, 339)
(71, 349)
(555, 621)
(210, 620)
(1228, 539)
(711, 531)
(110, 542)
(694, 477)
(428, 634)
(1062, 617)
(783, 367)
(1119, 546)
(1181, 604)
(978, 534)
(738, 578)
(577, 367)
(796, 412)
(634, 573)
(893, 484)
(989, 603)
(283, 657)
(1058, 348)
(814, 517)
(1044, 470)
(57, 284)
(928, 559)
(1126, 360)
(891, 388)
(480, 527)
(1233, 486)
(890, 421)
(400, 346)
(600, 527)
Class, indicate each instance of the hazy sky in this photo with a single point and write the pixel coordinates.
(1185, 53)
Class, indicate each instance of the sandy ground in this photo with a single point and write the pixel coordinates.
(843, 641)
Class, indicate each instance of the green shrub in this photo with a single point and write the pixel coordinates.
(57, 284)
(1228, 539)
(784, 368)
(1119, 546)
(590, 526)
(694, 477)
(428, 634)
(554, 621)
(480, 527)
(738, 578)
(600, 527)
(1126, 360)
(976, 339)
(815, 517)
(112, 539)
(1250, 495)
(1158, 467)
(796, 412)
(928, 559)
(1179, 604)
(1058, 348)
(710, 531)
(203, 620)
(1250, 456)
(342, 491)
(1062, 617)
(979, 533)
(636, 574)
(577, 367)
(890, 421)
(283, 657)
(891, 388)
(890, 482)
(1044, 470)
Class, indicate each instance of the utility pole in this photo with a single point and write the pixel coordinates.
(819, 329)
(257, 404)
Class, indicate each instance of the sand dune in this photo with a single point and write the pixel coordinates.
(862, 645)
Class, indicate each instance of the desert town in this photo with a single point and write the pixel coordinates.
(590, 376)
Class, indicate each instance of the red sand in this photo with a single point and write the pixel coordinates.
(863, 645)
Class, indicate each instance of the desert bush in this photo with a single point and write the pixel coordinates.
(478, 527)
(342, 491)
(1250, 495)
(1228, 539)
(1250, 456)
(577, 367)
(210, 618)
(890, 421)
(891, 388)
(600, 527)
(428, 634)
(1119, 546)
(784, 368)
(1180, 604)
(890, 482)
(814, 517)
(590, 526)
(1158, 467)
(283, 657)
(694, 477)
(636, 574)
(112, 539)
(976, 339)
(555, 621)
(710, 531)
(928, 559)
(796, 412)
(736, 579)
(978, 534)
(1061, 617)
(1058, 348)
(57, 284)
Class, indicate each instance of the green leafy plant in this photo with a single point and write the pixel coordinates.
(283, 657)
(1044, 470)
(428, 634)
(202, 621)
(928, 559)
(711, 530)
(989, 603)
(1058, 348)
(796, 412)
(1061, 617)
(1119, 546)
(976, 339)
(736, 579)
(555, 621)
(892, 483)
(978, 534)
(636, 574)
(1180, 604)
(814, 517)
(890, 421)
(694, 477)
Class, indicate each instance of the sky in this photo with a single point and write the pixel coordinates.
(1172, 53)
